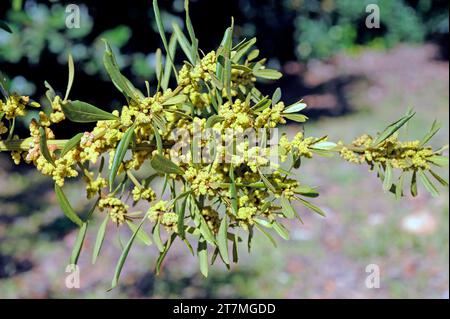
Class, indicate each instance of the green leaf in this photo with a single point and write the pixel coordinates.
(212, 120)
(392, 128)
(141, 234)
(288, 210)
(267, 235)
(191, 32)
(43, 146)
(3, 85)
(66, 207)
(99, 240)
(294, 108)
(202, 253)
(168, 64)
(399, 186)
(124, 254)
(296, 117)
(441, 161)
(165, 166)
(158, 65)
(233, 192)
(279, 228)
(177, 99)
(312, 207)
(119, 155)
(387, 182)
(184, 43)
(276, 97)
(180, 222)
(5, 27)
(223, 69)
(222, 240)
(428, 184)
(435, 127)
(121, 83)
(50, 93)
(268, 74)
(162, 255)
(267, 183)
(306, 191)
(235, 248)
(414, 184)
(157, 237)
(71, 144)
(441, 180)
(78, 244)
(160, 26)
(82, 112)
(243, 49)
(71, 76)
(324, 145)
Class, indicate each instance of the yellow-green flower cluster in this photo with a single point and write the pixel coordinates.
(117, 210)
(407, 156)
(14, 106)
(271, 117)
(141, 193)
(300, 146)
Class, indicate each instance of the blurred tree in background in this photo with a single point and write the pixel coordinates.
(293, 30)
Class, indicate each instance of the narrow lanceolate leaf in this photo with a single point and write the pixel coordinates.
(223, 70)
(162, 255)
(3, 89)
(276, 97)
(66, 207)
(124, 254)
(177, 99)
(165, 165)
(168, 65)
(44, 147)
(157, 237)
(441, 180)
(158, 66)
(267, 183)
(202, 253)
(119, 155)
(50, 93)
(435, 127)
(428, 184)
(233, 192)
(274, 243)
(78, 244)
(391, 129)
(222, 240)
(288, 210)
(82, 112)
(294, 108)
(5, 27)
(190, 28)
(99, 240)
(113, 70)
(71, 144)
(306, 191)
(180, 221)
(296, 117)
(414, 184)
(184, 43)
(141, 234)
(268, 74)
(387, 182)
(312, 207)
(279, 228)
(324, 145)
(399, 186)
(162, 33)
(71, 76)
(439, 160)
(243, 49)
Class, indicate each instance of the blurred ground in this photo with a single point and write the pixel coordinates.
(326, 258)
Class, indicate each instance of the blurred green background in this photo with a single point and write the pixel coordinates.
(355, 80)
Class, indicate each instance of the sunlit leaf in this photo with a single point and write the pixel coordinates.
(165, 165)
(44, 147)
(119, 155)
(78, 244)
(82, 112)
(71, 144)
(99, 239)
(66, 207)
(222, 239)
